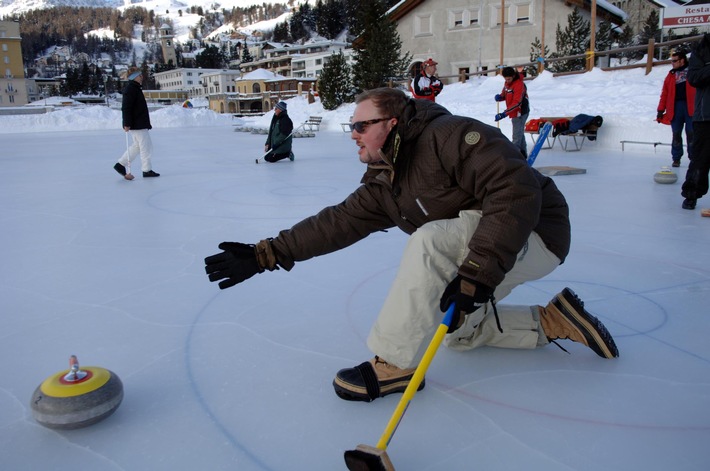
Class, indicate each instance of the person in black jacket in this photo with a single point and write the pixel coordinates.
(696, 178)
(279, 141)
(136, 120)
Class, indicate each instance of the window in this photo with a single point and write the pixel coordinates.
(456, 18)
(512, 14)
(4, 47)
(463, 18)
(422, 25)
(6, 59)
(522, 13)
(474, 18)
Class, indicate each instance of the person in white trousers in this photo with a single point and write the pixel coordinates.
(136, 122)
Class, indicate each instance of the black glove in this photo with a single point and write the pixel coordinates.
(239, 262)
(468, 295)
(659, 115)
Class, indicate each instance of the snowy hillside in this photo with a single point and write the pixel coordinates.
(10, 7)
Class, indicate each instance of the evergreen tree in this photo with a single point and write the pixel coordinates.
(335, 83)
(604, 37)
(210, 58)
(329, 16)
(377, 58)
(535, 55)
(573, 40)
(650, 29)
(626, 39)
(246, 55)
(281, 32)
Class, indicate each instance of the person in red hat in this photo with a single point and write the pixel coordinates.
(425, 85)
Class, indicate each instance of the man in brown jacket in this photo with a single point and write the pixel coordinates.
(481, 222)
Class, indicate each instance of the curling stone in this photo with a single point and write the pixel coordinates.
(665, 175)
(77, 397)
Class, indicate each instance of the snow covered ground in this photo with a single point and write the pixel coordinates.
(240, 379)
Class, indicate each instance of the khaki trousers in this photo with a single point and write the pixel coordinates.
(410, 315)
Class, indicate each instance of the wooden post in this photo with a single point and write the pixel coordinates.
(541, 64)
(592, 33)
(649, 55)
(502, 32)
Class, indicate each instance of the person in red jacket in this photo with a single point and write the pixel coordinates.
(677, 105)
(515, 95)
(425, 85)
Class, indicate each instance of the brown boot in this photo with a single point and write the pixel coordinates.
(372, 379)
(565, 318)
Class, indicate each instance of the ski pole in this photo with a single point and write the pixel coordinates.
(128, 175)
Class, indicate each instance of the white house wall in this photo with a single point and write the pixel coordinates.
(429, 31)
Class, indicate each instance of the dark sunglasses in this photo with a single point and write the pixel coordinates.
(361, 126)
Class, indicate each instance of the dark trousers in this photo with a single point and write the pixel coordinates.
(271, 157)
(696, 178)
(681, 118)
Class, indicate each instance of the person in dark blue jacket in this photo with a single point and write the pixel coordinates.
(696, 178)
(136, 121)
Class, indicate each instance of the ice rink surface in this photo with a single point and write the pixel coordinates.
(112, 271)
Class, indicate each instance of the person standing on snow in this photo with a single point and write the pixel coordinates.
(425, 85)
(515, 95)
(279, 140)
(677, 105)
(136, 121)
(481, 222)
(696, 178)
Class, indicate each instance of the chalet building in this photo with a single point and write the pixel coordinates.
(465, 36)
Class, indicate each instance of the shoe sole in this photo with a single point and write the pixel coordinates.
(589, 326)
(351, 392)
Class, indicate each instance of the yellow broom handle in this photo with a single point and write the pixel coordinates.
(416, 379)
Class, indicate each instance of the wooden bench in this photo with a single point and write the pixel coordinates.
(312, 124)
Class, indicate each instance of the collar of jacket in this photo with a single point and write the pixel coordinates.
(388, 154)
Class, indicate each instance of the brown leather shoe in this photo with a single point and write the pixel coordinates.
(565, 318)
(372, 379)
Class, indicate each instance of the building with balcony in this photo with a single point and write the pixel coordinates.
(278, 58)
(183, 79)
(13, 87)
(257, 92)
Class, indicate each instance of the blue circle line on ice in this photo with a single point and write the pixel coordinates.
(363, 285)
(201, 400)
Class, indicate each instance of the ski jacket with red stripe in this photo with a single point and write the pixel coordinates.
(667, 101)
